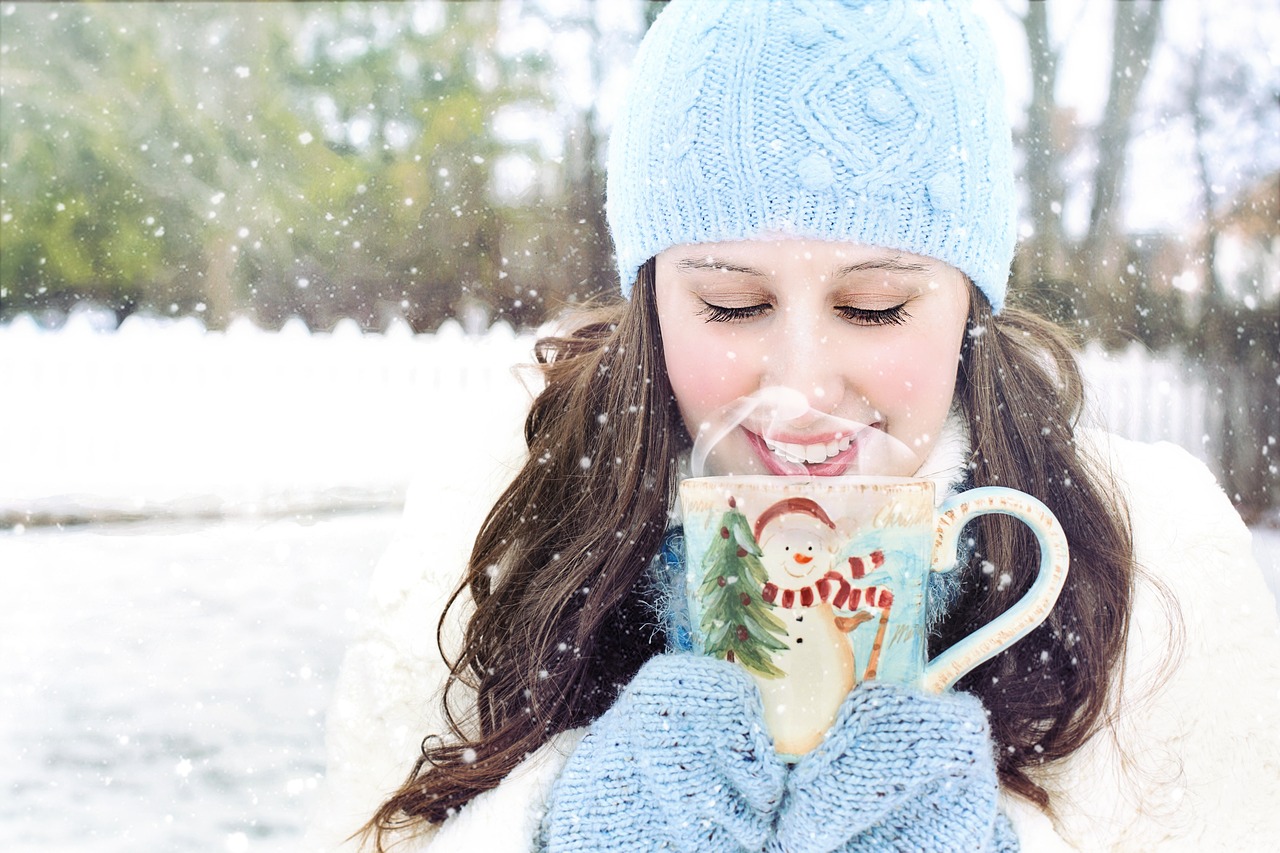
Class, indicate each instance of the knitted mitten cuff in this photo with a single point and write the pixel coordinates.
(681, 761)
(899, 769)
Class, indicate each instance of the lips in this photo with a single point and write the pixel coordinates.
(786, 459)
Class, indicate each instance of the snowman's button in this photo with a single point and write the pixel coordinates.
(799, 639)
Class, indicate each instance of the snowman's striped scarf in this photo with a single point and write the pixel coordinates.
(835, 588)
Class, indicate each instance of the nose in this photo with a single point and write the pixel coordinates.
(802, 559)
(806, 357)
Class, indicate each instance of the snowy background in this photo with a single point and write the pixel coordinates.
(188, 522)
(189, 519)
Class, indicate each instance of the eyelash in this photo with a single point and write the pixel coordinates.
(895, 316)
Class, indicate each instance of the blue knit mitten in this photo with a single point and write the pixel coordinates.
(899, 770)
(682, 761)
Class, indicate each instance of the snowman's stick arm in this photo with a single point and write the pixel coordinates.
(873, 661)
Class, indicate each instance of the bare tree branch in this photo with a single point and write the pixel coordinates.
(1134, 35)
(1044, 182)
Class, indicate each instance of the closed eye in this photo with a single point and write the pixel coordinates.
(721, 314)
(895, 316)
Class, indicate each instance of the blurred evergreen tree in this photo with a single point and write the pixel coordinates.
(271, 159)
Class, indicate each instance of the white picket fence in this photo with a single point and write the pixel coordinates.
(1149, 397)
(166, 418)
(162, 417)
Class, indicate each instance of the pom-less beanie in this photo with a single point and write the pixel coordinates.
(879, 122)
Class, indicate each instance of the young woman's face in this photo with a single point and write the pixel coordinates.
(870, 337)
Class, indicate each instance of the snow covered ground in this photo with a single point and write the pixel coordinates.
(188, 526)
(163, 685)
(163, 682)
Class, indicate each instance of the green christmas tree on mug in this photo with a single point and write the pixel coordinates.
(736, 621)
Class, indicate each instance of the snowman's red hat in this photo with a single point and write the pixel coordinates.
(792, 506)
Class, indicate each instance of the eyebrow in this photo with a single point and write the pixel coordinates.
(883, 265)
(710, 263)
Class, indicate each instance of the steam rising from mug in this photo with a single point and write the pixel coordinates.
(771, 410)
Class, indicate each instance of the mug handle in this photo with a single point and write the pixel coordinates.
(1027, 612)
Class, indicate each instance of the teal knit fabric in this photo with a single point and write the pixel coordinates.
(872, 121)
(682, 762)
(899, 770)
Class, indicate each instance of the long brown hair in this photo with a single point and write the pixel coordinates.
(561, 620)
(558, 572)
(1022, 394)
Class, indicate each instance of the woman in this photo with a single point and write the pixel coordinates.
(818, 195)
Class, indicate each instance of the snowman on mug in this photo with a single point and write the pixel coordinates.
(799, 550)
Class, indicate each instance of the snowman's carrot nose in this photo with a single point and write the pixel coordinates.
(802, 559)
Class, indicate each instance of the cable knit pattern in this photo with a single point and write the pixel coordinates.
(880, 123)
(680, 762)
(899, 770)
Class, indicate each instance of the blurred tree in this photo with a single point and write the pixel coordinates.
(411, 93)
(1237, 331)
(1221, 91)
(556, 247)
(1100, 278)
(584, 250)
(146, 155)
(1081, 281)
(1102, 260)
(320, 159)
(592, 269)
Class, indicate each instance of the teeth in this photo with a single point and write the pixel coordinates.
(810, 453)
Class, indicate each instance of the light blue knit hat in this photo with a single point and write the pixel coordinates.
(872, 121)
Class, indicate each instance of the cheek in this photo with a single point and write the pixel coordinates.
(706, 373)
(916, 384)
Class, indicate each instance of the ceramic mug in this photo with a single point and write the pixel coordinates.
(816, 584)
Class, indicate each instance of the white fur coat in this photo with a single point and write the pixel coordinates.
(1191, 760)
